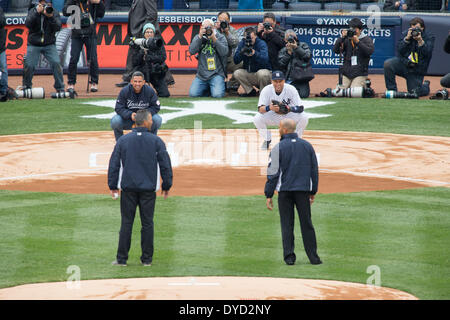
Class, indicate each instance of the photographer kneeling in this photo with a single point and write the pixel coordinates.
(356, 49)
(212, 49)
(414, 54)
(294, 60)
(151, 59)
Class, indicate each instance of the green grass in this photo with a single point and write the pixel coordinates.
(419, 117)
(404, 232)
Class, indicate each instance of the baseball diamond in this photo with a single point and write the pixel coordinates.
(352, 129)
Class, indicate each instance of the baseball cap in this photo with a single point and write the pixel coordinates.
(278, 75)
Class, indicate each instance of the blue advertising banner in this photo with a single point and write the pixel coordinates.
(320, 33)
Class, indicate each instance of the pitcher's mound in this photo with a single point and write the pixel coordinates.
(204, 288)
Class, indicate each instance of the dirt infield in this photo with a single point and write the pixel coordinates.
(107, 83)
(349, 162)
(204, 288)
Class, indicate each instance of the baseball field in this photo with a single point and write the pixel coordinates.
(381, 216)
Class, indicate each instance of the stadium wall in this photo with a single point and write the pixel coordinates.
(318, 29)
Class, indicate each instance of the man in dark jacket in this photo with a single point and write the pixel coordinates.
(84, 34)
(400, 5)
(140, 154)
(253, 52)
(135, 96)
(294, 172)
(445, 81)
(356, 49)
(414, 52)
(151, 61)
(42, 22)
(141, 12)
(273, 35)
(294, 60)
(3, 63)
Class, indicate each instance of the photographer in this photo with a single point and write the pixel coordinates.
(294, 61)
(414, 53)
(84, 34)
(223, 26)
(356, 49)
(212, 49)
(253, 52)
(150, 60)
(445, 81)
(273, 35)
(400, 5)
(3, 63)
(42, 22)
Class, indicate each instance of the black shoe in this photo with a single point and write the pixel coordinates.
(316, 262)
(252, 93)
(122, 84)
(290, 262)
(266, 145)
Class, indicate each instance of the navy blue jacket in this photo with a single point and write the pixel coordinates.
(260, 60)
(139, 152)
(424, 52)
(130, 101)
(293, 166)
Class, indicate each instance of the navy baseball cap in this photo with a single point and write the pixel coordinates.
(278, 75)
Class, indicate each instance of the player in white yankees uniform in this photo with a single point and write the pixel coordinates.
(269, 113)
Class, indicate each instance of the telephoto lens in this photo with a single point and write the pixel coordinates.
(30, 93)
(223, 25)
(391, 94)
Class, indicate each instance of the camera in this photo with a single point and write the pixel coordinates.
(85, 20)
(356, 92)
(30, 93)
(48, 9)
(223, 25)
(248, 47)
(208, 31)
(391, 94)
(64, 94)
(440, 95)
(291, 39)
(416, 32)
(267, 25)
(350, 33)
(150, 43)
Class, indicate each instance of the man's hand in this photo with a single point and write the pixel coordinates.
(260, 27)
(269, 203)
(201, 32)
(165, 193)
(274, 107)
(114, 194)
(262, 109)
(355, 39)
(133, 116)
(409, 35)
(343, 33)
(311, 198)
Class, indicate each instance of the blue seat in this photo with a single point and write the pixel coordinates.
(305, 6)
(194, 5)
(348, 6)
(19, 5)
(4, 5)
(364, 6)
(278, 6)
(233, 5)
(214, 4)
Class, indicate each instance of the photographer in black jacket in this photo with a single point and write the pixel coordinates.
(445, 81)
(42, 22)
(273, 35)
(294, 61)
(84, 34)
(356, 50)
(414, 52)
(151, 59)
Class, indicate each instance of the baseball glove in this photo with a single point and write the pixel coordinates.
(283, 108)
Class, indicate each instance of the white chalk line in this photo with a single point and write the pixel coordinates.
(39, 175)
